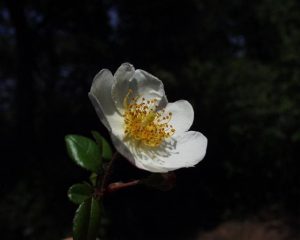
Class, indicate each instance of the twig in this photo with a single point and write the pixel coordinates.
(107, 173)
(120, 185)
(112, 187)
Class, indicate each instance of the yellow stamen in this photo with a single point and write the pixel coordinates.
(144, 123)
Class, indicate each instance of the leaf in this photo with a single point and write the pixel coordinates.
(93, 179)
(87, 219)
(80, 192)
(84, 152)
(98, 139)
(104, 145)
(106, 150)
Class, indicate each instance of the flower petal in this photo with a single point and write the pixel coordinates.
(185, 151)
(182, 116)
(122, 148)
(190, 150)
(142, 84)
(149, 87)
(120, 88)
(181, 152)
(133, 154)
(100, 96)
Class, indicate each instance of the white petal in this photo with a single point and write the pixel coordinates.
(182, 116)
(120, 88)
(142, 84)
(122, 148)
(133, 154)
(180, 152)
(100, 96)
(190, 149)
(149, 87)
(184, 151)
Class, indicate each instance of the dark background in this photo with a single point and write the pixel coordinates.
(236, 61)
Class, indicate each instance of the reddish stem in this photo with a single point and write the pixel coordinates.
(120, 185)
(112, 187)
(107, 173)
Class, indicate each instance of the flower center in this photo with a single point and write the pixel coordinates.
(144, 123)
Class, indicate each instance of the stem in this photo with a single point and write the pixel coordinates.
(120, 185)
(107, 173)
(113, 187)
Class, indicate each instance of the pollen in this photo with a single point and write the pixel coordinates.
(144, 123)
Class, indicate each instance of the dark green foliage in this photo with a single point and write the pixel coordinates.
(80, 192)
(103, 145)
(93, 179)
(84, 152)
(87, 154)
(86, 222)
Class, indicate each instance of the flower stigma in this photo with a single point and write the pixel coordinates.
(144, 123)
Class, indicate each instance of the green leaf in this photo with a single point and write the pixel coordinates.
(107, 153)
(98, 138)
(84, 152)
(93, 179)
(80, 192)
(87, 219)
(104, 145)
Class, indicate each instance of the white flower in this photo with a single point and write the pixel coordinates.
(150, 132)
